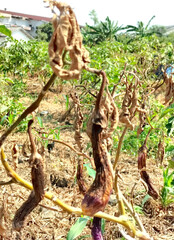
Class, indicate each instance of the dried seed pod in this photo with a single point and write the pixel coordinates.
(67, 38)
(37, 174)
(98, 194)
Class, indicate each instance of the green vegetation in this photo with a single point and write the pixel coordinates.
(167, 192)
(44, 32)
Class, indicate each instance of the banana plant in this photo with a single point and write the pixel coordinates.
(140, 30)
(106, 30)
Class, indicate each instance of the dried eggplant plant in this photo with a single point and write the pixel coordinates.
(38, 179)
(99, 133)
(130, 106)
(66, 38)
(142, 157)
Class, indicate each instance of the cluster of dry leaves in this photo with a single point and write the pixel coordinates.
(66, 42)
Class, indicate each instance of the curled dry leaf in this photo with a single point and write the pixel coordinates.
(37, 174)
(80, 179)
(169, 95)
(130, 104)
(142, 156)
(66, 38)
(98, 194)
(125, 114)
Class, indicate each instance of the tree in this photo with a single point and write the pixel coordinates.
(103, 31)
(140, 30)
(93, 16)
(44, 32)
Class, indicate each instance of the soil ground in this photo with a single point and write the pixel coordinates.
(48, 221)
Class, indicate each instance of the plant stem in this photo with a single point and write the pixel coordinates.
(119, 147)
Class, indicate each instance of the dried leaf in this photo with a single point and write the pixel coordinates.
(169, 95)
(66, 38)
(98, 194)
(142, 156)
(38, 180)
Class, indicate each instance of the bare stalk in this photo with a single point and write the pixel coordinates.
(73, 149)
(119, 147)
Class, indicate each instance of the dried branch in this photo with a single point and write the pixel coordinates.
(119, 147)
(119, 195)
(72, 148)
(6, 183)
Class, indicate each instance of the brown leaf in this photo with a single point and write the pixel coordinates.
(67, 38)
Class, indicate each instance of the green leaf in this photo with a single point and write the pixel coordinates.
(91, 172)
(145, 199)
(138, 209)
(77, 228)
(40, 121)
(5, 31)
(170, 126)
(169, 109)
(3, 119)
(171, 164)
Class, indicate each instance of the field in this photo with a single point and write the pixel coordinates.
(95, 138)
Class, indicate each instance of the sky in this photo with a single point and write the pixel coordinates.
(125, 12)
